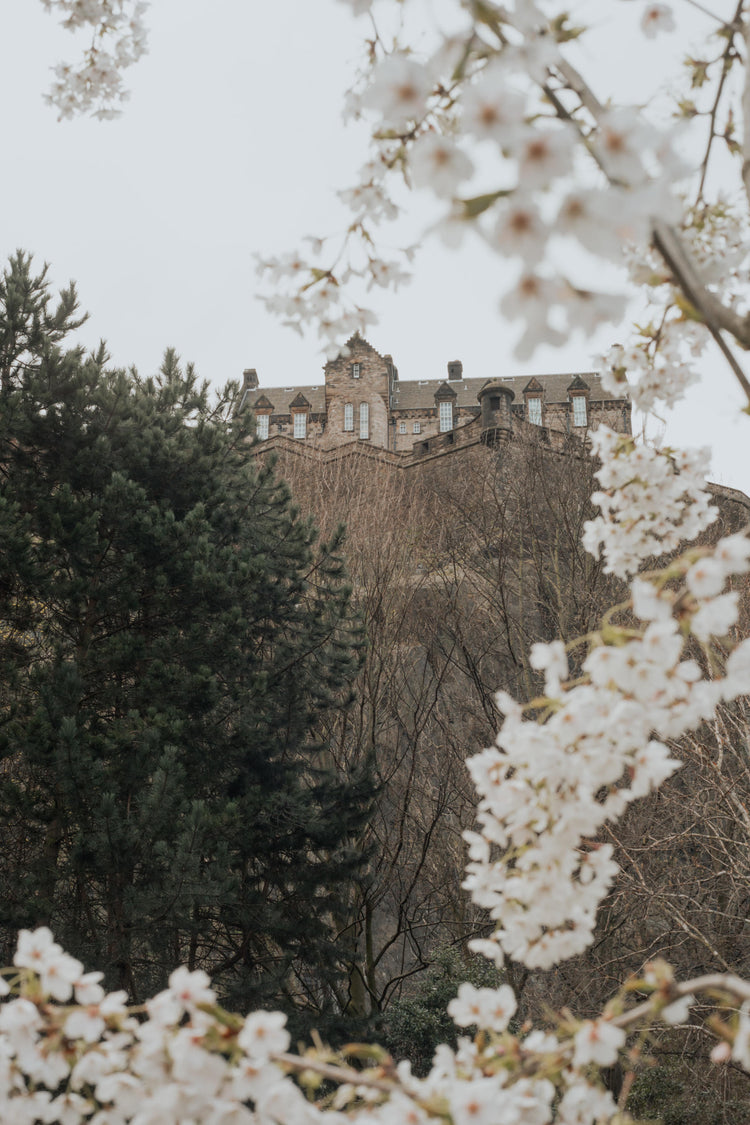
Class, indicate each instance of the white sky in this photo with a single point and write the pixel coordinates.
(232, 143)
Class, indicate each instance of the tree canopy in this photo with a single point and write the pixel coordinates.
(172, 637)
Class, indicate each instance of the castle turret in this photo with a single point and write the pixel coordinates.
(494, 400)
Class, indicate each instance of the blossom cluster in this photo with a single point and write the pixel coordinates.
(651, 500)
(74, 1055)
(118, 41)
(592, 746)
(659, 366)
(498, 100)
(94, 1060)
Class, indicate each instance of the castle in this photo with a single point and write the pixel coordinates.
(362, 403)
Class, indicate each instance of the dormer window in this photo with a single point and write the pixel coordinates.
(580, 414)
(300, 424)
(261, 427)
(534, 409)
(349, 417)
(356, 370)
(446, 417)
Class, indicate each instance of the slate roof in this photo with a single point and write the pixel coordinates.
(413, 395)
(283, 397)
(419, 394)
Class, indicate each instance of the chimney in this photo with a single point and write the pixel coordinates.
(455, 370)
(249, 379)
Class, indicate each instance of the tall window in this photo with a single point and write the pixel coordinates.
(534, 409)
(364, 420)
(356, 370)
(300, 425)
(402, 427)
(446, 417)
(348, 416)
(261, 427)
(579, 411)
(417, 428)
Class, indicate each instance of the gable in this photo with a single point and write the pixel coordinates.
(533, 386)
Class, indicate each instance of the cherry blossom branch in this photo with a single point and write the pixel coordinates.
(726, 983)
(715, 315)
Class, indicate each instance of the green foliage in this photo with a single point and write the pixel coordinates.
(172, 640)
(676, 1093)
(413, 1026)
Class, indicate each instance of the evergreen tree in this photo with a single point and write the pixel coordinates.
(172, 639)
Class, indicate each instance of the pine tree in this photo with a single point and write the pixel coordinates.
(172, 640)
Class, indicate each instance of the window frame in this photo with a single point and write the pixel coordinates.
(299, 424)
(261, 426)
(580, 411)
(356, 370)
(445, 416)
(534, 410)
(349, 417)
(364, 421)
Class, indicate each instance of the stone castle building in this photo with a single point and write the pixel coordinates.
(362, 402)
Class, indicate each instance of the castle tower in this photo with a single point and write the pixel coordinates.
(494, 401)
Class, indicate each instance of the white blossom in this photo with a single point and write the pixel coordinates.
(490, 1008)
(598, 1041)
(656, 18)
(399, 90)
(438, 163)
(264, 1034)
(491, 110)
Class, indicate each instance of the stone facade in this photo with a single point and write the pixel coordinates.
(362, 401)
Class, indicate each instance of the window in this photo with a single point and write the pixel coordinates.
(364, 420)
(534, 410)
(348, 416)
(402, 427)
(446, 416)
(261, 426)
(579, 411)
(416, 428)
(300, 425)
(356, 370)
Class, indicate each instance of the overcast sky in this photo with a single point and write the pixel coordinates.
(232, 143)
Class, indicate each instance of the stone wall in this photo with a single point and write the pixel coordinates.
(371, 387)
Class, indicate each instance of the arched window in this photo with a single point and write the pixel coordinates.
(349, 416)
(364, 420)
